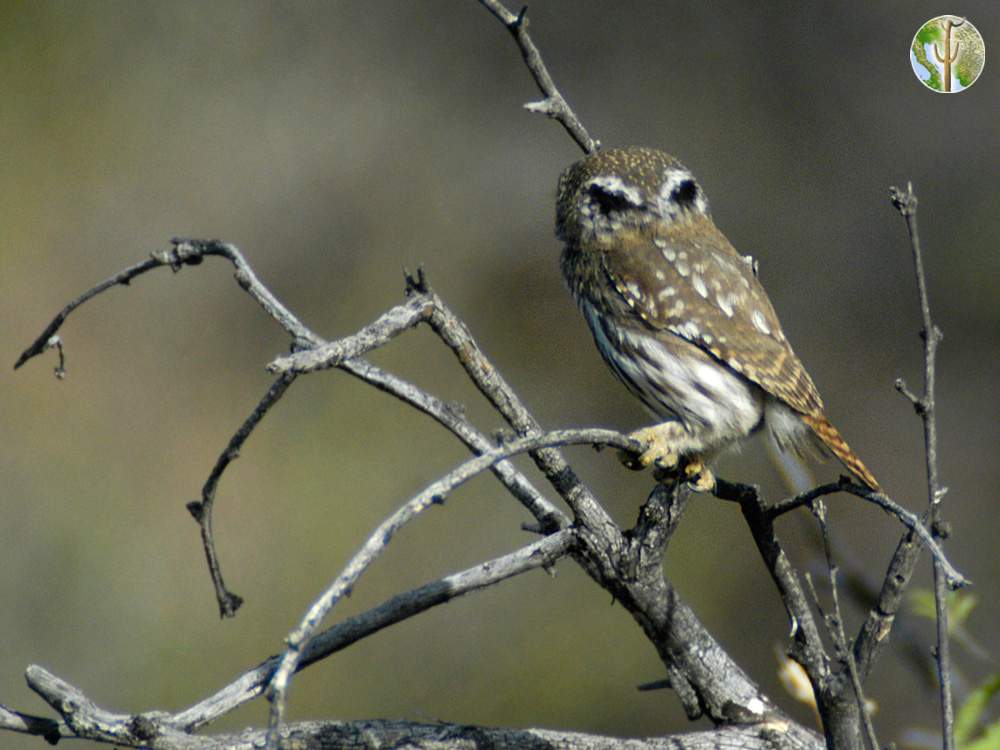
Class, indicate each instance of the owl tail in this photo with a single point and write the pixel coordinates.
(833, 440)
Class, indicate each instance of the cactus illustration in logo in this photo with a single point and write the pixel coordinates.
(947, 54)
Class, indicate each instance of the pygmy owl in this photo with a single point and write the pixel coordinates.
(680, 316)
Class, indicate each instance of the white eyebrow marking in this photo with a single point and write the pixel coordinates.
(616, 186)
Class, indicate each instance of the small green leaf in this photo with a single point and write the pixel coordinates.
(968, 716)
(922, 603)
(990, 739)
(960, 606)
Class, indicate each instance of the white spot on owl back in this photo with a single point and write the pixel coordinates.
(682, 267)
(699, 285)
(633, 289)
(760, 322)
(667, 291)
(660, 242)
(725, 302)
(669, 254)
(689, 329)
(660, 276)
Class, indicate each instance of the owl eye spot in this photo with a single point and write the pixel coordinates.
(685, 194)
(608, 201)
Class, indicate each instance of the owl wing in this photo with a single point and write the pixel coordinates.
(710, 296)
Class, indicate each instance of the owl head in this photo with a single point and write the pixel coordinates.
(621, 188)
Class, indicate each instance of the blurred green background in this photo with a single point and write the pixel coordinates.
(337, 142)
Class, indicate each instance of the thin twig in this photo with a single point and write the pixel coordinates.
(105, 726)
(379, 539)
(910, 520)
(40, 726)
(377, 333)
(835, 626)
(906, 204)
(192, 252)
(201, 510)
(250, 684)
(449, 416)
(587, 511)
(45, 338)
(808, 645)
(553, 105)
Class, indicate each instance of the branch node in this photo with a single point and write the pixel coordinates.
(904, 202)
(941, 529)
(146, 726)
(501, 437)
(547, 106)
(183, 252)
(920, 405)
(456, 409)
(521, 21)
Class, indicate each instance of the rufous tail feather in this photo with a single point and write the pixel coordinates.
(833, 440)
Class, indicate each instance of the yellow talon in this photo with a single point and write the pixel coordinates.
(699, 475)
(658, 453)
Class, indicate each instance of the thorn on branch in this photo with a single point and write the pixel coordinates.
(60, 368)
(554, 105)
(521, 21)
(230, 604)
(654, 685)
(416, 284)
